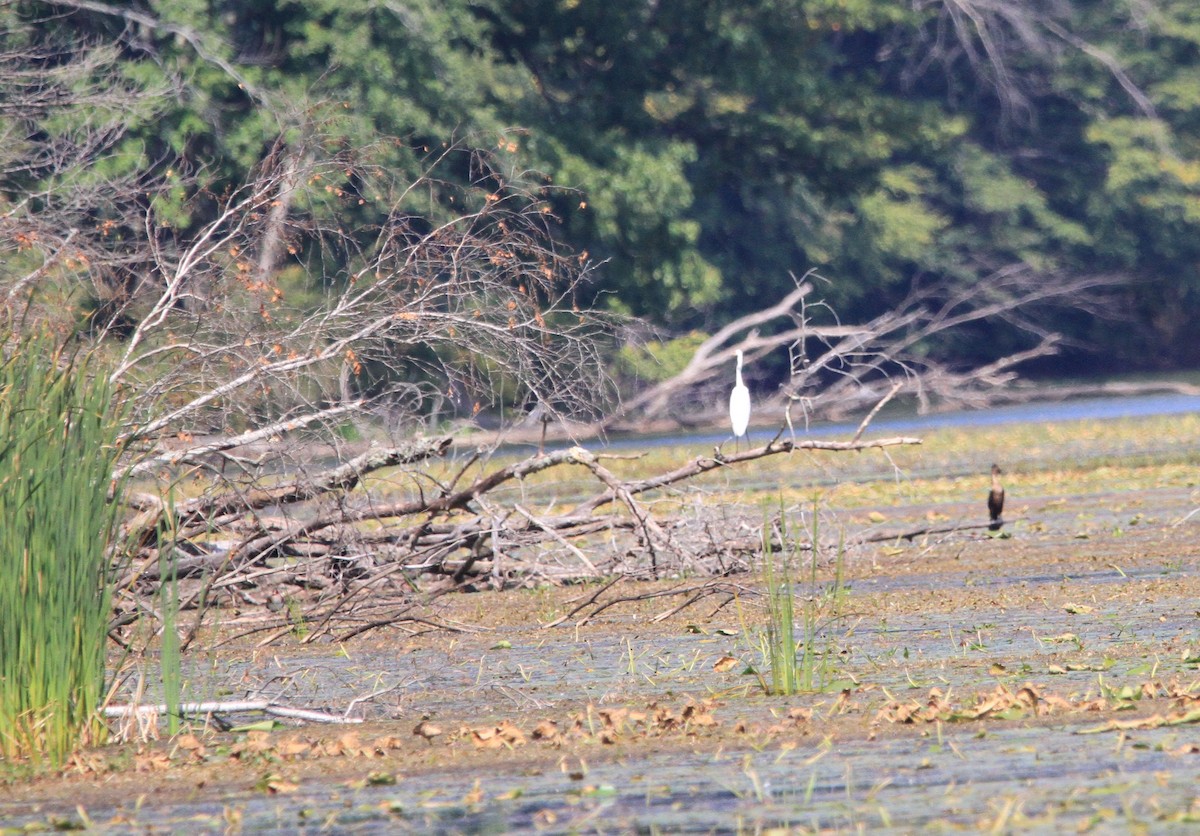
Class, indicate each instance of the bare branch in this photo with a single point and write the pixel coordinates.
(195, 455)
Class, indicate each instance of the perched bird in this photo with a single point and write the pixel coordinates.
(996, 499)
(739, 404)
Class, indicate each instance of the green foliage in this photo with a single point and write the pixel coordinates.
(780, 640)
(634, 211)
(903, 225)
(657, 360)
(58, 429)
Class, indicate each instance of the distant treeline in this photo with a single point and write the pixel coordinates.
(705, 150)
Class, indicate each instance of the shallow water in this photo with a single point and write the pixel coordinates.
(892, 424)
(1082, 597)
(1040, 775)
(1044, 778)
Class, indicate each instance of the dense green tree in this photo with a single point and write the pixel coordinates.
(705, 150)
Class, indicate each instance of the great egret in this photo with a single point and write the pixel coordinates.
(996, 499)
(739, 404)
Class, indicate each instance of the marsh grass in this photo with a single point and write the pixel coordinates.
(779, 650)
(796, 663)
(58, 446)
(170, 661)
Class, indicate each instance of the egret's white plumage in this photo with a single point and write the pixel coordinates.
(739, 403)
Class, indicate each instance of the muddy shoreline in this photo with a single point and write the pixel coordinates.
(1045, 679)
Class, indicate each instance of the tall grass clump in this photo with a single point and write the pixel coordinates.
(58, 448)
(790, 648)
(780, 639)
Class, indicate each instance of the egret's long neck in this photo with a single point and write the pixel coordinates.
(739, 371)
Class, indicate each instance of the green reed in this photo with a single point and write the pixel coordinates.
(780, 638)
(58, 448)
(795, 662)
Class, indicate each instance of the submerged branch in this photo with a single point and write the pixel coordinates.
(228, 707)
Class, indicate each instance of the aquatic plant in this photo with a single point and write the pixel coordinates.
(780, 638)
(795, 664)
(58, 446)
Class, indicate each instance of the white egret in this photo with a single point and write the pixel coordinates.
(739, 404)
(996, 499)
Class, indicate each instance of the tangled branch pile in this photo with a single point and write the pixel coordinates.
(347, 559)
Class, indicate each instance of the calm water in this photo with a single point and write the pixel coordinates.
(1074, 410)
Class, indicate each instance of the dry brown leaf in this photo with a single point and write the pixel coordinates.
(704, 721)
(799, 715)
(613, 718)
(1182, 694)
(547, 730)
(151, 761)
(350, 745)
(293, 748)
(1028, 697)
(700, 714)
(666, 719)
(427, 730)
(475, 796)
(86, 763)
(504, 734)
(896, 712)
(385, 744)
(725, 663)
(192, 746)
(189, 743)
(1054, 702)
(278, 785)
(511, 733)
(485, 738)
(256, 743)
(1065, 638)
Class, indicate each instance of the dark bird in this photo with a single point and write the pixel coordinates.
(996, 499)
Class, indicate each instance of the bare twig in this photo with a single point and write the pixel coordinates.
(562, 541)
(862, 427)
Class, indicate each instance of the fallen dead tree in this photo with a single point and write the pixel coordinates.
(324, 556)
(838, 369)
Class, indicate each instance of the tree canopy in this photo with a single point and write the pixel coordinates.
(704, 151)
